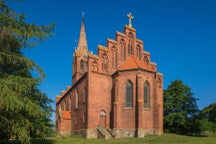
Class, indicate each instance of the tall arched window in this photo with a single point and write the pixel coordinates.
(130, 45)
(146, 60)
(146, 95)
(77, 99)
(84, 94)
(138, 51)
(95, 66)
(114, 57)
(82, 66)
(104, 62)
(123, 49)
(128, 94)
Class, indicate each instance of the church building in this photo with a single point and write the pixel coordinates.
(115, 93)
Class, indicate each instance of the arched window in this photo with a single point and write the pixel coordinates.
(130, 45)
(82, 66)
(84, 94)
(114, 57)
(95, 66)
(146, 60)
(77, 99)
(102, 113)
(104, 62)
(138, 51)
(146, 95)
(123, 49)
(128, 94)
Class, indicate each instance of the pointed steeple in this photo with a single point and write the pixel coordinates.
(82, 45)
(80, 57)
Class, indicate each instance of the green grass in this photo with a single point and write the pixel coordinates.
(163, 139)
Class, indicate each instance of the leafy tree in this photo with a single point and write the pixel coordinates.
(180, 109)
(24, 110)
(209, 113)
(208, 119)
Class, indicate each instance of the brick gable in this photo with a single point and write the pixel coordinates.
(97, 98)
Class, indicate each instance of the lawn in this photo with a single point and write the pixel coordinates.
(163, 139)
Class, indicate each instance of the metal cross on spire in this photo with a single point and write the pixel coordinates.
(130, 17)
(83, 15)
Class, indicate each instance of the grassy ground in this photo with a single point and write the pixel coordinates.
(163, 139)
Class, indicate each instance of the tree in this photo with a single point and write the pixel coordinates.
(24, 110)
(209, 113)
(208, 119)
(180, 109)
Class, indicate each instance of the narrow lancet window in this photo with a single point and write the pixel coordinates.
(114, 57)
(130, 45)
(146, 94)
(77, 99)
(82, 66)
(128, 94)
(104, 63)
(138, 52)
(123, 49)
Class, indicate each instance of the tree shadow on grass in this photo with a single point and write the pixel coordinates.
(33, 141)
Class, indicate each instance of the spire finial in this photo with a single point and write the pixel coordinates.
(130, 17)
(83, 15)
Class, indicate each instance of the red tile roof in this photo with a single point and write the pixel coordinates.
(134, 63)
(66, 114)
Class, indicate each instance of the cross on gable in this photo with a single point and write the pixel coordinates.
(130, 17)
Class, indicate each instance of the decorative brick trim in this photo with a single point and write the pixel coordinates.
(130, 28)
(100, 47)
(121, 34)
(139, 41)
(112, 41)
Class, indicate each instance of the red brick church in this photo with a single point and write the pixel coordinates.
(115, 93)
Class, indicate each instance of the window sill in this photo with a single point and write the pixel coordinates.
(128, 108)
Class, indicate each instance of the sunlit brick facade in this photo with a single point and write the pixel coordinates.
(118, 90)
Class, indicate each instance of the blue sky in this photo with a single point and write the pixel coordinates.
(179, 34)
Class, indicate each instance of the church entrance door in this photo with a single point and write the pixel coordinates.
(103, 118)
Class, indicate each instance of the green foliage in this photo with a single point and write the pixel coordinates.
(208, 120)
(209, 113)
(24, 110)
(180, 109)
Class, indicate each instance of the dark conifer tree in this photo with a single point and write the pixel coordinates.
(24, 110)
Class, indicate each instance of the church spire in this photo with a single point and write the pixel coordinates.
(82, 45)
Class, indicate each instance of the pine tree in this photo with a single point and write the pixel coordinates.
(24, 110)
